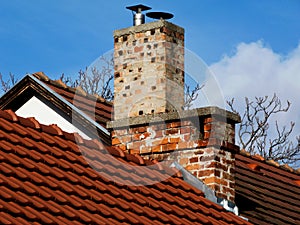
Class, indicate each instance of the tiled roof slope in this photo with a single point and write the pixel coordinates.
(45, 179)
(266, 192)
(97, 108)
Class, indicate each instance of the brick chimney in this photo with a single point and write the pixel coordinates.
(149, 64)
(148, 115)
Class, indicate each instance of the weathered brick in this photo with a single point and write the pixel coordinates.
(185, 130)
(139, 35)
(172, 131)
(228, 176)
(207, 158)
(208, 120)
(221, 181)
(199, 152)
(145, 149)
(194, 159)
(144, 135)
(228, 190)
(134, 151)
(157, 142)
(217, 173)
(192, 167)
(156, 148)
(182, 145)
(136, 137)
(125, 139)
(164, 141)
(164, 148)
(211, 165)
(136, 145)
(207, 127)
(174, 140)
(221, 166)
(142, 129)
(207, 135)
(187, 137)
(159, 133)
(138, 48)
(116, 141)
(221, 195)
(171, 147)
(134, 130)
(183, 161)
(205, 173)
(210, 180)
(175, 124)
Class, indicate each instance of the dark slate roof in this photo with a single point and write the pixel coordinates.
(99, 109)
(267, 193)
(48, 176)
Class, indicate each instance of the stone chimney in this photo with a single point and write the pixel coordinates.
(148, 115)
(149, 64)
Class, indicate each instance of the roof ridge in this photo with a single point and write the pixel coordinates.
(54, 129)
(78, 90)
(271, 162)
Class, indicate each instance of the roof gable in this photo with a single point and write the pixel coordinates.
(95, 107)
(45, 179)
(36, 108)
(71, 109)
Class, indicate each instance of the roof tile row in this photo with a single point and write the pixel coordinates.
(263, 182)
(48, 176)
(268, 187)
(96, 107)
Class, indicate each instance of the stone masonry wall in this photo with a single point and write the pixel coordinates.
(203, 145)
(149, 64)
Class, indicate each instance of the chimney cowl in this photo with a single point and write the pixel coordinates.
(160, 15)
(138, 17)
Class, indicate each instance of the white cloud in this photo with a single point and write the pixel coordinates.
(256, 70)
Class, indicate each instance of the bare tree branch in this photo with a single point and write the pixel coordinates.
(7, 84)
(191, 95)
(254, 132)
(95, 81)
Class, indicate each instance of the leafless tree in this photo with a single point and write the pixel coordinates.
(255, 135)
(8, 83)
(98, 81)
(95, 81)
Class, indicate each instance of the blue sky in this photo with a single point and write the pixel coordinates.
(65, 36)
(251, 46)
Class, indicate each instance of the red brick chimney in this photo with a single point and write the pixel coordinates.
(149, 120)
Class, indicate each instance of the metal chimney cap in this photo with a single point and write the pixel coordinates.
(160, 15)
(138, 8)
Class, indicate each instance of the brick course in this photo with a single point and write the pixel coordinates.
(209, 157)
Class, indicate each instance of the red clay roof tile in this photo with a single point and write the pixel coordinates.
(96, 108)
(50, 177)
